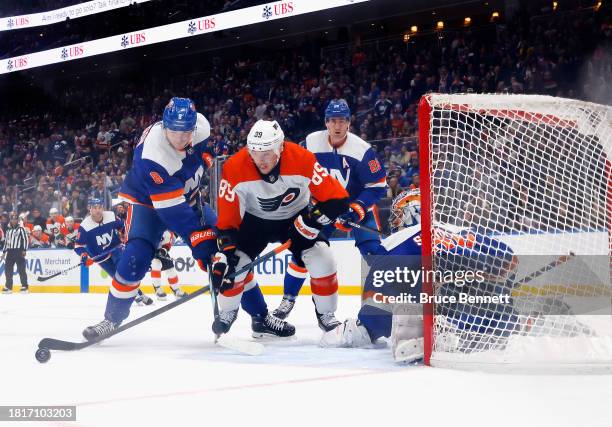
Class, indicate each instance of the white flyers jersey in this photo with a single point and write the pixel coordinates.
(243, 190)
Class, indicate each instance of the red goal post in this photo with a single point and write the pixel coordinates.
(535, 170)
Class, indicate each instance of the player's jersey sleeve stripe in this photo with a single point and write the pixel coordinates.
(168, 203)
(170, 195)
(382, 183)
(131, 200)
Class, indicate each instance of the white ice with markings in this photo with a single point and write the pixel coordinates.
(167, 372)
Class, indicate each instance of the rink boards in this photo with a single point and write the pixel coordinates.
(270, 274)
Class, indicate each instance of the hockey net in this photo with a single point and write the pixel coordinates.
(534, 173)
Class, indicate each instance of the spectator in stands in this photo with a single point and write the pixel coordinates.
(394, 187)
(72, 231)
(100, 191)
(38, 239)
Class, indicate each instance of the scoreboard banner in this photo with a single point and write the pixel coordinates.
(10, 23)
(178, 30)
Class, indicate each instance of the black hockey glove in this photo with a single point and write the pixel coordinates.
(223, 266)
(303, 234)
(224, 262)
(162, 254)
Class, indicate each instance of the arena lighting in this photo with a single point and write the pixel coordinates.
(414, 29)
(440, 25)
(406, 38)
(598, 6)
(467, 21)
(494, 15)
(555, 5)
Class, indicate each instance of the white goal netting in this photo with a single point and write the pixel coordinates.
(526, 182)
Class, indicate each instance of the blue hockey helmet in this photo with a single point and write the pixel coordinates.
(180, 115)
(94, 201)
(337, 109)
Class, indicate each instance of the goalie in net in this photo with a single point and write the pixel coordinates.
(468, 327)
(534, 172)
(528, 178)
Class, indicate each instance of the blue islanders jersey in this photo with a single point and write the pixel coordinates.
(167, 179)
(454, 247)
(98, 237)
(354, 164)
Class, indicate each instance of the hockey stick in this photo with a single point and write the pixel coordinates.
(59, 273)
(561, 260)
(366, 228)
(240, 346)
(46, 344)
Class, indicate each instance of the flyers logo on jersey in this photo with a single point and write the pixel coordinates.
(374, 165)
(156, 178)
(272, 204)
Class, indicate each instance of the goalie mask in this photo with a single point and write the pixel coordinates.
(405, 210)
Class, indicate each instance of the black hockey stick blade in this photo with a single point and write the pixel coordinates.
(54, 344)
(42, 279)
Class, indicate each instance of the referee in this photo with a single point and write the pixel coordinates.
(15, 247)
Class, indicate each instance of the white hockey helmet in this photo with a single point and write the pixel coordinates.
(53, 211)
(405, 210)
(37, 228)
(69, 219)
(265, 135)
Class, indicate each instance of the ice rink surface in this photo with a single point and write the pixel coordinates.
(167, 372)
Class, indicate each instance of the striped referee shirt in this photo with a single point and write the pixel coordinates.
(15, 238)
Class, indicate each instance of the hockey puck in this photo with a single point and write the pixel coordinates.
(43, 355)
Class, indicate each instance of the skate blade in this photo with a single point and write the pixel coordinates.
(262, 336)
(240, 346)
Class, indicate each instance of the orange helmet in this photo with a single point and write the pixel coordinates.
(405, 210)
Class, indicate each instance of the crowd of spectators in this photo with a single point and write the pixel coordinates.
(82, 146)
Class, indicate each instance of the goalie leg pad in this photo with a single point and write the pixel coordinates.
(408, 351)
(407, 333)
(350, 334)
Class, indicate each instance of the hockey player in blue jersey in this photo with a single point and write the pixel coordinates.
(353, 162)
(99, 233)
(455, 248)
(162, 189)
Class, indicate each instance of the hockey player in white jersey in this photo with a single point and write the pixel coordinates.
(353, 162)
(264, 197)
(403, 323)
